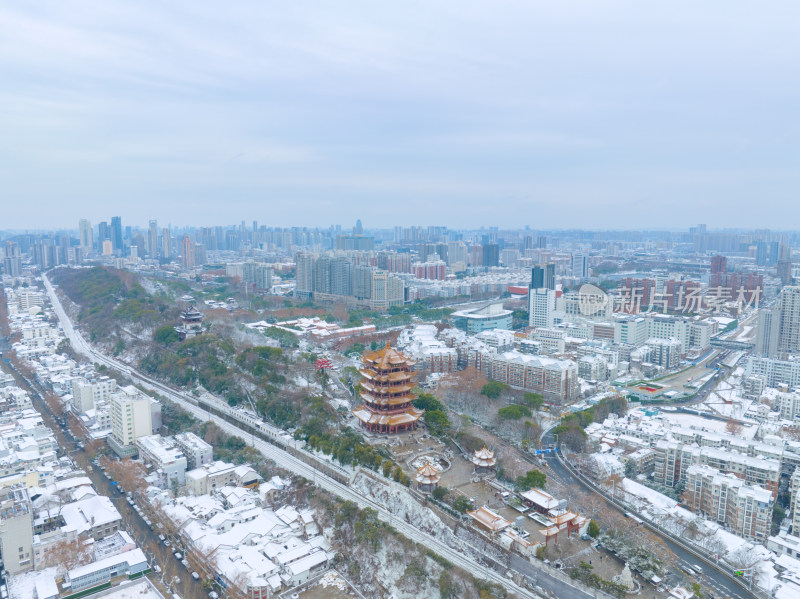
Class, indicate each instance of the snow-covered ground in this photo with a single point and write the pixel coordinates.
(717, 426)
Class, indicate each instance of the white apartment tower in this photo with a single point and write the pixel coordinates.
(131, 416)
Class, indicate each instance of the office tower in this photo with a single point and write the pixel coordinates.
(543, 276)
(359, 228)
(718, 264)
(542, 305)
(116, 234)
(491, 254)
(541, 242)
(187, 252)
(85, 235)
(166, 244)
(152, 240)
(103, 233)
(580, 266)
(527, 243)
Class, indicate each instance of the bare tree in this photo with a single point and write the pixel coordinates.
(733, 427)
(129, 473)
(69, 554)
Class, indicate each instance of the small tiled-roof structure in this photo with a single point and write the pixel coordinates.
(428, 477)
(484, 460)
(489, 520)
(539, 500)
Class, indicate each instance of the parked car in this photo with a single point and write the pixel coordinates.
(185, 563)
(178, 555)
(195, 575)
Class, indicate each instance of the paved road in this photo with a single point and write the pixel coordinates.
(723, 585)
(561, 588)
(174, 577)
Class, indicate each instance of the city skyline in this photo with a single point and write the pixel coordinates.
(561, 116)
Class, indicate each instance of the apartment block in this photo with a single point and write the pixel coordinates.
(198, 453)
(744, 508)
(165, 458)
(673, 459)
(16, 530)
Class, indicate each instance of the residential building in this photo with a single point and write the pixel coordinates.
(16, 530)
(555, 379)
(198, 453)
(207, 479)
(164, 456)
(131, 418)
(745, 509)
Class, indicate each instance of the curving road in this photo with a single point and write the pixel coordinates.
(553, 582)
(723, 584)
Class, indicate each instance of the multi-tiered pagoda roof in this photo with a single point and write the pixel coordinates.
(387, 390)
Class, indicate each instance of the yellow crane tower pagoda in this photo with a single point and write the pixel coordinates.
(387, 390)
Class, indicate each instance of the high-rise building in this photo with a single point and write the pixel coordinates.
(789, 334)
(794, 506)
(199, 254)
(543, 276)
(542, 305)
(718, 264)
(131, 415)
(768, 332)
(152, 240)
(116, 234)
(387, 290)
(85, 235)
(491, 254)
(304, 274)
(580, 266)
(12, 263)
(784, 271)
(187, 252)
(166, 244)
(103, 233)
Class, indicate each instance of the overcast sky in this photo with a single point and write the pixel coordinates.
(555, 114)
